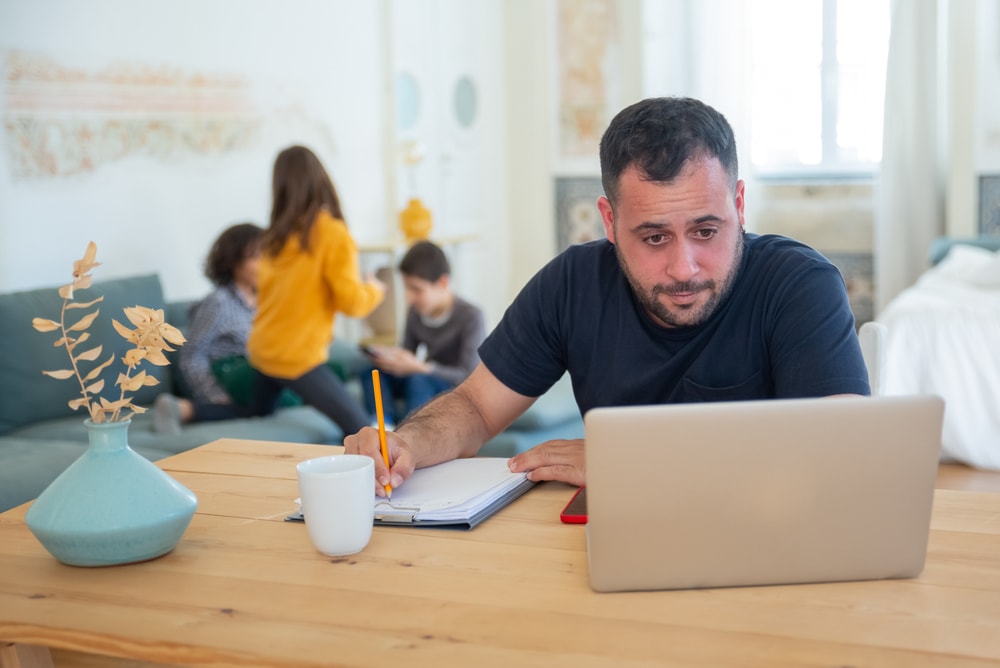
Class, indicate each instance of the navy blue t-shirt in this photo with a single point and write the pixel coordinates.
(785, 330)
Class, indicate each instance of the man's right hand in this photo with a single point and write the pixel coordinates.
(401, 460)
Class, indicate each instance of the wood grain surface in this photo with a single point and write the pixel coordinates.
(245, 588)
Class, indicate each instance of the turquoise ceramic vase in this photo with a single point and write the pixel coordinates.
(111, 506)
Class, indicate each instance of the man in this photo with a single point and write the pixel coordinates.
(440, 341)
(678, 304)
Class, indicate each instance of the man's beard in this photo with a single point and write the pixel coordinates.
(685, 315)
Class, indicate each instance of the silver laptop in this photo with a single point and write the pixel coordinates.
(760, 492)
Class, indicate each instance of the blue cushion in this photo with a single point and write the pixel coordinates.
(30, 465)
(555, 407)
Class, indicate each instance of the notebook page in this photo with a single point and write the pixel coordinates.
(453, 489)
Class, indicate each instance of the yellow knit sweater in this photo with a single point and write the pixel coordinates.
(299, 295)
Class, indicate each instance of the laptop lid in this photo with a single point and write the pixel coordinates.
(760, 492)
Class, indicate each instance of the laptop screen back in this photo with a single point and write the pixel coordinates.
(762, 492)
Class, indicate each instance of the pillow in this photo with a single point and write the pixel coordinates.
(969, 264)
(555, 407)
(236, 377)
(29, 396)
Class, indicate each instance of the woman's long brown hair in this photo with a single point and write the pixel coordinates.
(300, 189)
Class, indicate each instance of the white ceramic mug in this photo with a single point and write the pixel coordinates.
(338, 502)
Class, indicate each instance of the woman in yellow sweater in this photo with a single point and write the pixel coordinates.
(309, 271)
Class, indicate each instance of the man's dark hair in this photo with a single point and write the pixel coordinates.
(235, 244)
(659, 135)
(425, 260)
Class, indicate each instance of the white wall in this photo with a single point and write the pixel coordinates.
(462, 179)
(321, 73)
(315, 73)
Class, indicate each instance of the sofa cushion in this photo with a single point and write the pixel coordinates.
(29, 465)
(555, 407)
(28, 396)
(512, 441)
(32, 456)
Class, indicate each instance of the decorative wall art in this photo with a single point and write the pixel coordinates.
(588, 51)
(61, 120)
(858, 271)
(577, 217)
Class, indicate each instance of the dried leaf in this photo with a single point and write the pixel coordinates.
(78, 403)
(84, 322)
(95, 388)
(125, 332)
(117, 405)
(143, 317)
(62, 374)
(82, 283)
(96, 414)
(89, 355)
(157, 357)
(172, 334)
(66, 291)
(85, 304)
(97, 370)
(83, 337)
(44, 325)
(88, 262)
(135, 316)
(128, 383)
(133, 357)
(62, 341)
(138, 410)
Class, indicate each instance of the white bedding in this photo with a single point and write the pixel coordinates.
(944, 338)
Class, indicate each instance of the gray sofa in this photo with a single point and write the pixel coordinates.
(40, 435)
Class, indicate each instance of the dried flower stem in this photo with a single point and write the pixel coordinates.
(150, 337)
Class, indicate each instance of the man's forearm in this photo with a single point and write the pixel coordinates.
(448, 427)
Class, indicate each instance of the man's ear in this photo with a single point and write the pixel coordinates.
(740, 202)
(607, 217)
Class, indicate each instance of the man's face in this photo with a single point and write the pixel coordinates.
(680, 244)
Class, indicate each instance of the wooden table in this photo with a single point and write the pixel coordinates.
(244, 588)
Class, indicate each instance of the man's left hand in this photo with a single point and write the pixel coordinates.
(552, 460)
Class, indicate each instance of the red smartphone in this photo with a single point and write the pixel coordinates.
(575, 511)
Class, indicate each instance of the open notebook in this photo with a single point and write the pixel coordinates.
(458, 494)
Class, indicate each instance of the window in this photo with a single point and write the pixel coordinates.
(818, 86)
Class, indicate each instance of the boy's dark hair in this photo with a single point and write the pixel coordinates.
(235, 244)
(659, 135)
(425, 260)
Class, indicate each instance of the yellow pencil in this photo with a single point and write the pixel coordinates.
(381, 426)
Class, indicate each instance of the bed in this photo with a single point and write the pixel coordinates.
(942, 336)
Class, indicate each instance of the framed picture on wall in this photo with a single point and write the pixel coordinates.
(587, 86)
(577, 217)
(989, 205)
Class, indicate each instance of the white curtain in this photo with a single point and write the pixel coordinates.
(910, 192)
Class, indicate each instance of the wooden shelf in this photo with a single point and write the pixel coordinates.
(398, 244)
